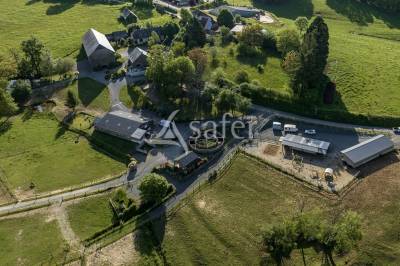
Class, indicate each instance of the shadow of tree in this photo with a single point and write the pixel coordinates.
(60, 6)
(5, 126)
(287, 9)
(362, 14)
(148, 239)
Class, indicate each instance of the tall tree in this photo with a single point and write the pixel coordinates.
(194, 36)
(313, 58)
(33, 50)
(225, 18)
(301, 24)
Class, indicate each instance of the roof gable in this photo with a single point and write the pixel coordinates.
(93, 40)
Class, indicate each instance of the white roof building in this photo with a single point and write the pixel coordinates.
(367, 150)
(98, 49)
(303, 144)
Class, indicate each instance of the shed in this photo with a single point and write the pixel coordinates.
(187, 161)
(123, 125)
(238, 28)
(128, 16)
(366, 151)
(303, 144)
(98, 49)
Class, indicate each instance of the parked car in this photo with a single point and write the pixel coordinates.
(290, 128)
(310, 131)
(396, 130)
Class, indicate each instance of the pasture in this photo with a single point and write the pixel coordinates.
(90, 215)
(36, 150)
(221, 225)
(32, 240)
(61, 24)
(363, 60)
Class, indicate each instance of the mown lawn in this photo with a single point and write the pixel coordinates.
(90, 93)
(222, 224)
(31, 240)
(90, 215)
(37, 149)
(363, 61)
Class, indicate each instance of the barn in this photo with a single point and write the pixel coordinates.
(307, 145)
(98, 49)
(366, 151)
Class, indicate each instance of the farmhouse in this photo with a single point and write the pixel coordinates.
(137, 62)
(98, 49)
(123, 125)
(141, 36)
(307, 145)
(367, 150)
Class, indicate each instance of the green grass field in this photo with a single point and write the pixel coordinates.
(31, 240)
(37, 149)
(273, 77)
(90, 215)
(90, 93)
(363, 57)
(61, 24)
(221, 225)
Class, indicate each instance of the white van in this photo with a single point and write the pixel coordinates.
(290, 128)
(276, 125)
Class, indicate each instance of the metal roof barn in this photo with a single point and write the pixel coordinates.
(367, 150)
(123, 125)
(303, 144)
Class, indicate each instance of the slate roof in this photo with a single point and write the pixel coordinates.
(368, 148)
(122, 124)
(186, 159)
(136, 54)
(145, 33)
(94, 39)
(306, 144)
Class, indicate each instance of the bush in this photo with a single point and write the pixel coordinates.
(269, 41)
(247, 51)
(241, 76)
(153, 188)
(21, 91)
(288, 40)
(260, 68)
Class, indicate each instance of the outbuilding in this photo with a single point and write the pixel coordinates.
(98, 49)
(187, 162)
(366, 151)
(307, 145)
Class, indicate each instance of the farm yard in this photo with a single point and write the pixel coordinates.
(36, 151)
